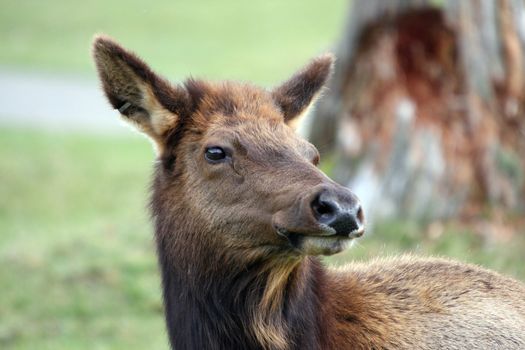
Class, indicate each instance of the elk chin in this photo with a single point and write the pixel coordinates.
(322, 245)
(316, 244)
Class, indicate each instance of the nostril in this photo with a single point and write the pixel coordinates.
(324, 210)
(360, 216)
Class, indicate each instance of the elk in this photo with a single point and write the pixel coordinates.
(242, 214)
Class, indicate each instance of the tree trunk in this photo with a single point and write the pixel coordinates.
(424, 116)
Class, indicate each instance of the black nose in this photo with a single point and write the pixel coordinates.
(342, 212)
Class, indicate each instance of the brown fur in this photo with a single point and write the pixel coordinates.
(233, 280)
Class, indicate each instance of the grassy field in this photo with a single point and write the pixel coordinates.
(77, 263)
(249, 40)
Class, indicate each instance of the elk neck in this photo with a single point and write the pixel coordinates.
(214, 302)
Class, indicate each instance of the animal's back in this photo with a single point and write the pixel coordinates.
(416, 303)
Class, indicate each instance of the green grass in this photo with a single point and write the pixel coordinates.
(229, 39)
(77, 263)
(77, 267)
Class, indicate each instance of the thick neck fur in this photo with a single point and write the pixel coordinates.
(227, 312)
(213, 300)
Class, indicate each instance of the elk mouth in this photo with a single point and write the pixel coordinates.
(325, 241)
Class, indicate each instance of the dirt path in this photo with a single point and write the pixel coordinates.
(56, 102)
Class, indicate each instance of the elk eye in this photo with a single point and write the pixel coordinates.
(214, 154)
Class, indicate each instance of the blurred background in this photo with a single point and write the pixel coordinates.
(423, 119)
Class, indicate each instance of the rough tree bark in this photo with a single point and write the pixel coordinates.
(425, 114)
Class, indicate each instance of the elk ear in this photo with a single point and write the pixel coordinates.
(143, 98)
(296, 94)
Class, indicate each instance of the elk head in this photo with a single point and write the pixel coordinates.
(231, 172)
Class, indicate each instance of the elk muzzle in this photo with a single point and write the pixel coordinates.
(321, 222)
(343, 215)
